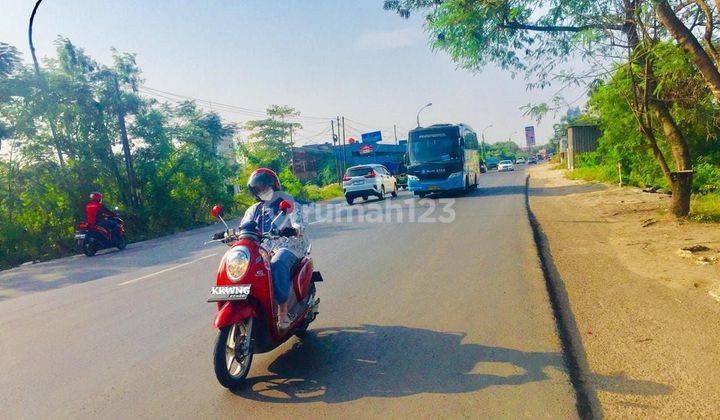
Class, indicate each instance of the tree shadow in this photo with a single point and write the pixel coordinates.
(336, 365)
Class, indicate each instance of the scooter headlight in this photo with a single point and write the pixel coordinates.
(237, 261)
(455, 174)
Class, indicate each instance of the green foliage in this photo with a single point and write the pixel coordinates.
(705, 207)
(532, 37)
(502, 150)
(707, 176)
(174, 152)
(315, 193)
(694, 111)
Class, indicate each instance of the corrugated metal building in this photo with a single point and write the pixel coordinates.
(581, 139)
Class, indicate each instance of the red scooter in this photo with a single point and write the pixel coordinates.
(247, 311)
(91, 238)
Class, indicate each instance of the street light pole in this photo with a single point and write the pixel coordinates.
(42, 84)
(420, 110)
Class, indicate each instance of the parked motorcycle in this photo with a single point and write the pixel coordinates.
(92, 238)
(247, 312)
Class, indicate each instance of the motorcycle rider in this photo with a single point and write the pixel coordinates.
(97, 214)
(287, 251)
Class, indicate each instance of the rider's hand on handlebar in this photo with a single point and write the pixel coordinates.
(289, 231)
(219, 235)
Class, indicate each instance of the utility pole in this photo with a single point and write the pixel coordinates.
(120, 109)
(395, 131)
(43, 85)
(343, 142)
(335, 149)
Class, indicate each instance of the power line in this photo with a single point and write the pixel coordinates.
(255, 113)
(250, 111)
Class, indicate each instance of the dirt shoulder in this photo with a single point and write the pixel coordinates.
(644, 291)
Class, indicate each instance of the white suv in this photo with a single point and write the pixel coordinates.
(368, 180)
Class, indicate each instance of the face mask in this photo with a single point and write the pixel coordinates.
(266, 195)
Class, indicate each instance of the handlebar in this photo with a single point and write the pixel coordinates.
(231, 236)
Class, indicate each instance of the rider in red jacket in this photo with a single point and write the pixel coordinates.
(97, 214)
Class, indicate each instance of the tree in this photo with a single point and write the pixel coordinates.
(699, 14)
(9, 59)
(273, 135)
(536, 38)
(174, 149)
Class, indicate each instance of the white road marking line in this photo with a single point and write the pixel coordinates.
(166, 270)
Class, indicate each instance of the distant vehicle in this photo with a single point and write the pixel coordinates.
(483, 167)
(492, 162)
(442, 158)
(368, 180)
(505, 165)
(532, 160)
(91, 238)
(520, 161)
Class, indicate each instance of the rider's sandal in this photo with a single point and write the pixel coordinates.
(284, 323)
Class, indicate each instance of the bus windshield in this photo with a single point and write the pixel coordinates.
(439, 145)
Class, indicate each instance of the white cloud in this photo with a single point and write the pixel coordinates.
(383, 40)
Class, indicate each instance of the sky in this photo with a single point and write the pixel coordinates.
(323, 57)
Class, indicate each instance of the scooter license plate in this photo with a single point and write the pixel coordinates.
(225, 293)
(79, 236)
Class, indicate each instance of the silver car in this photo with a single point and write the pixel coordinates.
(506, 165)
(368, 181)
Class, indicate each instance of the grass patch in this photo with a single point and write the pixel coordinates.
(705, 208)
(315, 193)
(594, 173)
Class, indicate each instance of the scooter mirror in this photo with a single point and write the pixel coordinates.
(285, 207)
(217, 211)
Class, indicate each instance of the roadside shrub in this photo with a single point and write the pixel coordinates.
(706, 178)
(601, 173)
(315, 193)
(705, 208)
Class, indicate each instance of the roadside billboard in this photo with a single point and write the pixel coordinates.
(530, 136)
(372, 137)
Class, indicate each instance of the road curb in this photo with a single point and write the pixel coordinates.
(574, 356)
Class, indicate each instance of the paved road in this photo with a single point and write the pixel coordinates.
(417, 320)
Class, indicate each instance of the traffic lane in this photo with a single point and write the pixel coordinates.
(391, 340)
(156, 344)
(455, 322)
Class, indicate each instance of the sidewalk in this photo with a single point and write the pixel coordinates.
(646, 309)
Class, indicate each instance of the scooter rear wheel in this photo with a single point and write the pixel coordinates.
(301, 331)
(233, 354)
(89, 248)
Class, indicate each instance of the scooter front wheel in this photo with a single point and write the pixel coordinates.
(233, 354)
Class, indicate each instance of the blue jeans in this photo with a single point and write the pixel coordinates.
(112, 228)
(281, 267)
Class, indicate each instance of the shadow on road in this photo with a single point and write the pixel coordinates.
(566, 190)
(336, 365)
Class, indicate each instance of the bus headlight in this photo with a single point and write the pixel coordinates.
(413, 178)
(237, 261)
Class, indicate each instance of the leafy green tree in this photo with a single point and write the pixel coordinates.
(273, 137)
(536, 38)
(174, 148)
